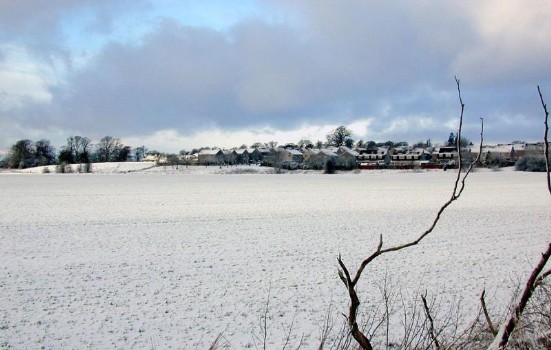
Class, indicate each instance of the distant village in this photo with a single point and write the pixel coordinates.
(291, 156)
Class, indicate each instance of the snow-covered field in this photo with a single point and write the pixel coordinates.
(161, 258)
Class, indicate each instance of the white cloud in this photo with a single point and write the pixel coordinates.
(22, 80)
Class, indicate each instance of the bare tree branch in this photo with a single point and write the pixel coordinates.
(431, 321)
(505, 331)
(543, 276)
(508, 327)
(459, 186)
(545, 140)
(486, 314)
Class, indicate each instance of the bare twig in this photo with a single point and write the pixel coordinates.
(344, 274)
(326, 328)
(431, 321)
(545, 140)
(486, 314)
(542, 277)
(264, 321)
(216, 343)
(289, 332)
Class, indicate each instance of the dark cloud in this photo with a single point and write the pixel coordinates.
(42, 27)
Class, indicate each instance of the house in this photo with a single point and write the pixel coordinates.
(188, 158)
(410, 156)
(255, 155)
(157, 158)
(445, 155)
(317, 160)
(292, 156)
(378, 155)
(242, 156)
(230, 156)
(308, 153)
(264, 152)
(535, 149)
(210, 157)
(507, 152)
(346, 158)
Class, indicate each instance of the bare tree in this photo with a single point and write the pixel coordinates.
(107, 148)
(340, 137)
(77, 150)
(350, 281)
(140, 152)
(44, 152)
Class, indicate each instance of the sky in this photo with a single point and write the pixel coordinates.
(173, 75)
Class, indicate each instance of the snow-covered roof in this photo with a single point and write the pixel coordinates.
(209, 151)
(327, 152)
(294, 152)
(344, 149)
(498, 148)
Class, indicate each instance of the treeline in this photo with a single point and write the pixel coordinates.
(78, 150)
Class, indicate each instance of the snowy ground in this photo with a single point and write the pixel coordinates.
(166, 258)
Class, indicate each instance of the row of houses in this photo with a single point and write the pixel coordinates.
(341, 157)
(344, 157)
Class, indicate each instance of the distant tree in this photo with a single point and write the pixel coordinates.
(531, 163)
(65, 156)
(401, 144)
(139, 153)
(451, 139)
(319, 144)
(257, 145)
(339, 137)
(290, 146)
(22, 155)
(389, 144)
(44, 152)
(243, 146)
(172, 160)
(465, 142)
(329, 167)
(83, 145)
(360, 143)
(370, 144)
(305, 143)
(107, 149)
(122, 153)
(271, 144)
(77, 150)
(349, 143)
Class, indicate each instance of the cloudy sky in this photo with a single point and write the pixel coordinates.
(176, 74)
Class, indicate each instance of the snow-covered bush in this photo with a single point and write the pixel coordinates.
(531, 163)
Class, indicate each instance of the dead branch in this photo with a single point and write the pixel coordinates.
(505, 331)
(542, 277)
(431, 321)
(217, 342)
(486, 314)
(508, 327)
(545, 140)
(459, 186)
